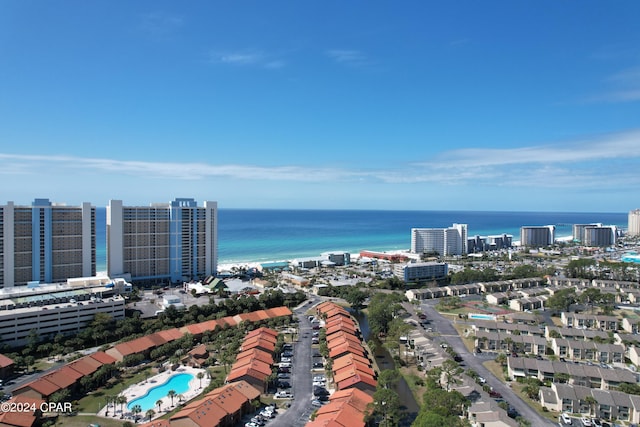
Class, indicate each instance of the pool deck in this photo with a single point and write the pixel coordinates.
(141, 388)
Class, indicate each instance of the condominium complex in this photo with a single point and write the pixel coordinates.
(443, 241)
(162, 242)
(489, 243)
(600, 235)
(634, 223)
(537, 235)
(421, 271)
(579, 230)
(46, 242)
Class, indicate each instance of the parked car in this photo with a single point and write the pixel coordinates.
(316, 403)
(283, 395)
(566, 418)
(586, 422)
(284, 384)
(494, 394)
(320, 391)
(318, 365)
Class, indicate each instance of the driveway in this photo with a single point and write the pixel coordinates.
(449, 335)
(301, 378)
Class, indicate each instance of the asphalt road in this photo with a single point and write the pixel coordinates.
(301, 378)
(448, 334)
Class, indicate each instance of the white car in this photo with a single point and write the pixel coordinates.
(566, 418)
(586, 421)
(283, 395)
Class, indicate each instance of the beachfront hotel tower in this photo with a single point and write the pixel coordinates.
(46, 242)
(633, 227)
(162, 242)
(537, 235)
(443, 241)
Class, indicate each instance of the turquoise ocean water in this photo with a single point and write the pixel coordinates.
(246, 235)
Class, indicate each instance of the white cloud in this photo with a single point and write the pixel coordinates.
(347, 56)
(624, 86)
(614, 146)
(160, 24)
(247, 58)
(606, 162)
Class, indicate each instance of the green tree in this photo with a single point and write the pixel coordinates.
(385, 408)
(171, 394)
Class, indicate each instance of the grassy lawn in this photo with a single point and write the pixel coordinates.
(96, 400)
(415, 380)
(495, 369)
(469, 343)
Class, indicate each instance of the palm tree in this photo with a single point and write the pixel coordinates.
(136, 410)
(150, 413)
(592, 404)
(200, 376)
(121, 400)
(159, 403)
(180, 398)
(171, 394)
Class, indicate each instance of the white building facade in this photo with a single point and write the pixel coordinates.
(444, 241)
(634, 223)
(176, 241)
(537, 235)
(46, 242)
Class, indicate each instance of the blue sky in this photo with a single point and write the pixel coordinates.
(466, 105)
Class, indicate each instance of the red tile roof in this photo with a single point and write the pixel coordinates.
(262, 332)
(17, 419)
(246, 371)
(5, 361)
(351, 371)
(258, 343)
(85, 365)
(203, 413)
(257, 354)
(249, 391)
(355, 380)
(345, 347)
(354, 397)
(64, 377)
(103, 358)
(348, 360)
(156, 423)
(42, 386)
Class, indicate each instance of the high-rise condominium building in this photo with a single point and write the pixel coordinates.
(634, 223)
(537, 235)
(444, 241)
(162, 242)
(600, 235)
(46, 242)
(578, 230)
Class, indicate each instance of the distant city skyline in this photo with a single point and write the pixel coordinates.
(493, 106)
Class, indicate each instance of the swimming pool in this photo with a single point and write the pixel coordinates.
(631, 256)
(178, 383)
(482, 316)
